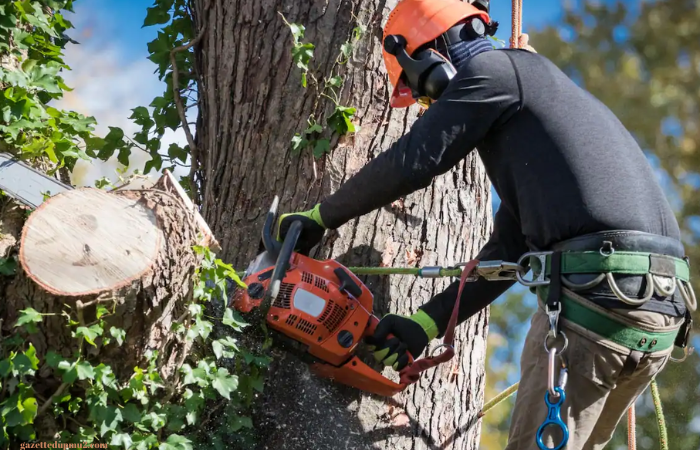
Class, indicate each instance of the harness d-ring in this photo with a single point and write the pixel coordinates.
(432, 352)
(566, 342)
(631, 301)
(664, 291)
(688, 295)
(583, 286)
(687, 351)
(553, 420)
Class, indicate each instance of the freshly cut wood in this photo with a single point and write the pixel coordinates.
(87, 241)
(124, 259)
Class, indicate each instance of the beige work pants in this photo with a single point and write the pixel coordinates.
(604, 380)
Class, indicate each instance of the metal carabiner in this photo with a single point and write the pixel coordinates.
(499, 270)
(540, 279)
(688, 295)
(553, 420)
(631, 301)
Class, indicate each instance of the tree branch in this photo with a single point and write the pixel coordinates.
(194, 153)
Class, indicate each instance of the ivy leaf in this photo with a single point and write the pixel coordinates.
(176, 442)
(27, 362)
(315, 128)
(53, 359)
(118, 334)
(108, 417)
(70, 374)
(123, 155)
(340, 120)
(154, 164)
(144, 442)
(177, 152)
(29, 409)
(241, 422)
(197, 375)
(156, 16)
(322, 147)
(234, 320)
(5, 367)
(302, 54)
(8, 266)
(89, 334)
(121, 439)
(298, 144)
(297, 31)
(131, 413)
(225, 347)
(28, 316)
(84, 370)
(336, 81)
(101, 311)
(154, 420)
(346, 50)
(74, 405)
(224, 383)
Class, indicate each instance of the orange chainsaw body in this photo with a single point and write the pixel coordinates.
(313, 305)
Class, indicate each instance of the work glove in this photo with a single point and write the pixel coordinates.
(312, 228)
(411, 334)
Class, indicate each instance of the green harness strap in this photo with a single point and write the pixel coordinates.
(608, 328)
(622, 262)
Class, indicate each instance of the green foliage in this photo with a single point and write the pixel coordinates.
(339, 119)
(143, 410)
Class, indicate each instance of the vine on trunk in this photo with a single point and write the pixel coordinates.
(90, 404)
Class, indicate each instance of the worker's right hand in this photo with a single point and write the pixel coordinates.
(411, 334)
(312, 228)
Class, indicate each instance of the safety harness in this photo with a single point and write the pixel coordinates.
(664, 275)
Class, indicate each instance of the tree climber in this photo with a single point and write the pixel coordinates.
(572, 181)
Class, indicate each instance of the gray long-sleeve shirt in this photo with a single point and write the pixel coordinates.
(561, 162)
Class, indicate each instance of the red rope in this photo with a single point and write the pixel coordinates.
(631, 429)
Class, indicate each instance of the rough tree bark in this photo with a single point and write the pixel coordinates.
(130, 251)
(251, 105)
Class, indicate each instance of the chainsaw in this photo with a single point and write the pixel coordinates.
(320, 305)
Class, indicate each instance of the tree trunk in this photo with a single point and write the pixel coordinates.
(251, 106)
(129, 252)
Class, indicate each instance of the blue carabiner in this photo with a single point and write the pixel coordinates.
(553, 419)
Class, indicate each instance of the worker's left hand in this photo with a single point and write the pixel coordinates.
(312, 228)
(411, 334)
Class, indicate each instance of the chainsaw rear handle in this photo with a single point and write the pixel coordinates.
(272, 245)
(283, 259)
(372, 325)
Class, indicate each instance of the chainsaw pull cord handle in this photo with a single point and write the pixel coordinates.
(283, 260)
(411, 374)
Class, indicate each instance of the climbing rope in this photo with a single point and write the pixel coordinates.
(656, 397)
(631, 429)
(516, 23)
(417, 271)
(498, 399)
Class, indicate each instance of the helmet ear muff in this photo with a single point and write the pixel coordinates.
(435, 80)
(428, 73)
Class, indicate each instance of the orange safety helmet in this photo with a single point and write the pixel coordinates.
(419, 22)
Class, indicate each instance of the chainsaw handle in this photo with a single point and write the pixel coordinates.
(372, 326)
(283, 259)
(272, 245)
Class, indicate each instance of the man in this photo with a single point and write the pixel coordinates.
(571, 180)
